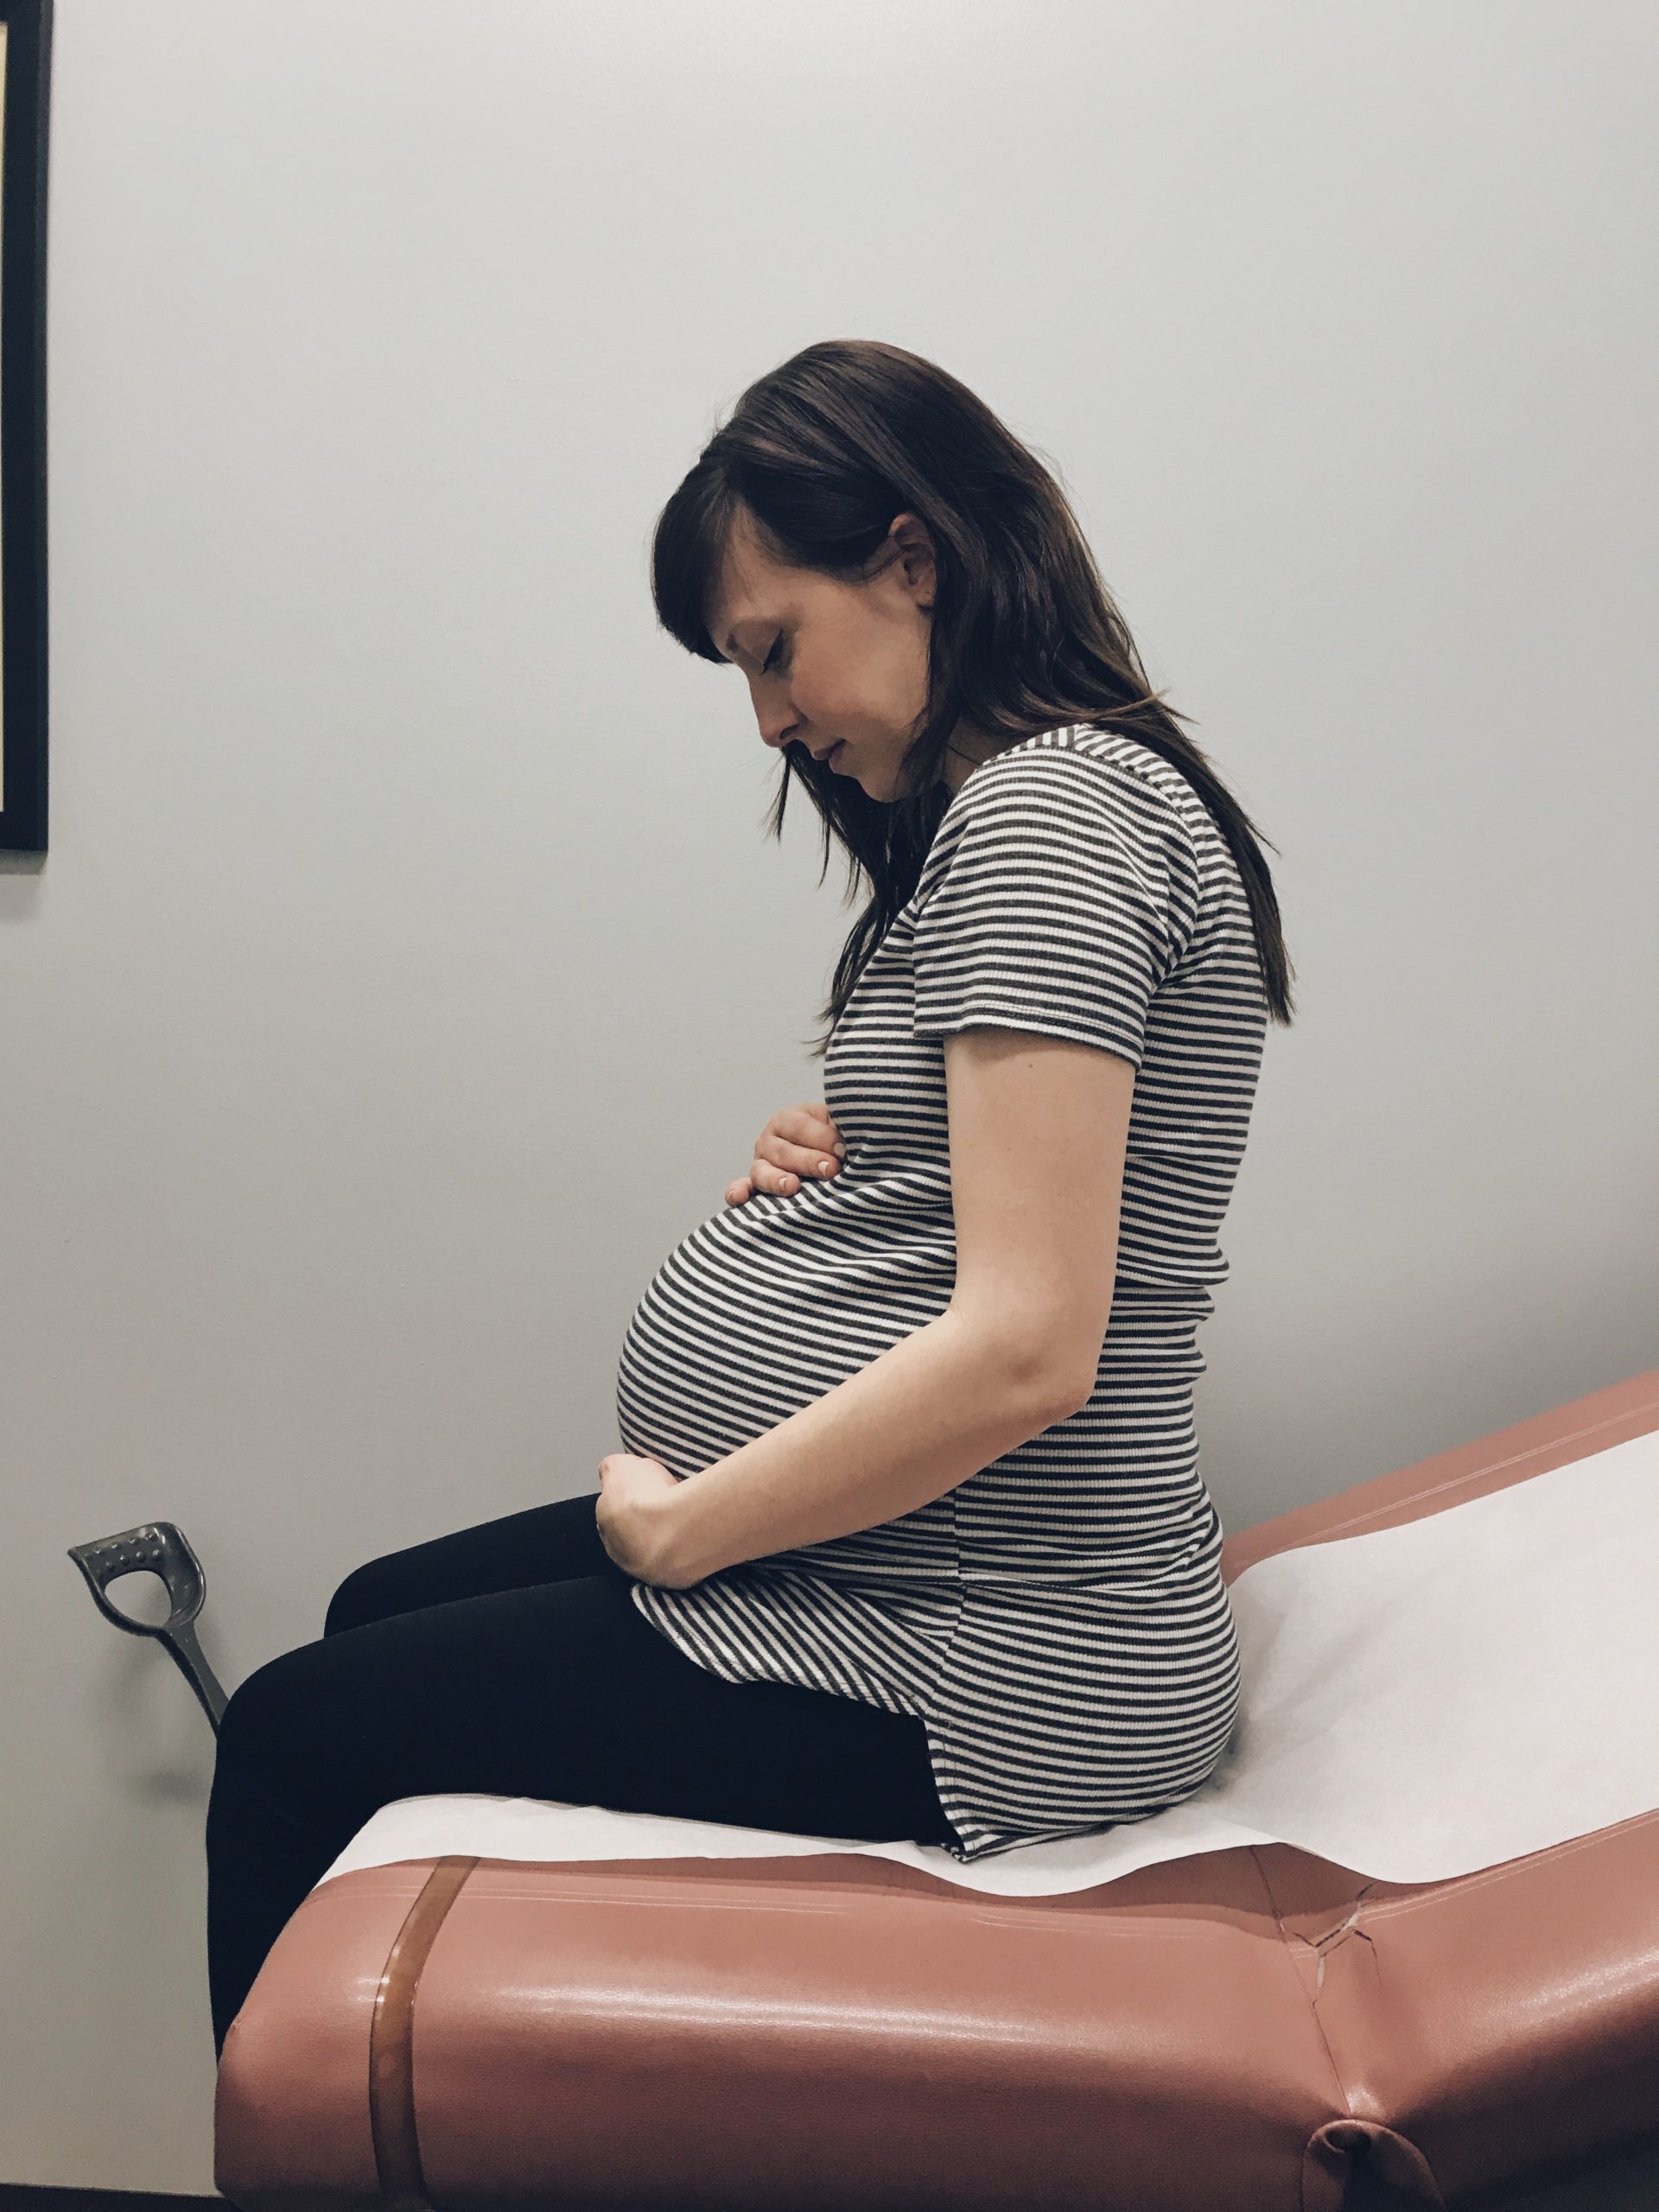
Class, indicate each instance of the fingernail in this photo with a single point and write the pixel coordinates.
(841, 1151)
(826, 1167)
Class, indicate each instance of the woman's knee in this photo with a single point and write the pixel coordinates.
(368, 1593)
(290, 1738)
(264, 1706)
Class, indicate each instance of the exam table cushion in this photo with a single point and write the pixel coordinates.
(1242, 2028)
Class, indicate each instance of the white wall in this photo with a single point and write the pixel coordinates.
(409, 969)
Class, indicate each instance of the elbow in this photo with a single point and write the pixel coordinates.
(1069, 1395)
(1040, 1368)
(1061, 1378)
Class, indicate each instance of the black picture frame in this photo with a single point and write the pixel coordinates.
(25, 70)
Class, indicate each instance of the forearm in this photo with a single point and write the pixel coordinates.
(929, 1412)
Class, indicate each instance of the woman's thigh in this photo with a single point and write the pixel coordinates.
(562, 1689)
(544, 1544)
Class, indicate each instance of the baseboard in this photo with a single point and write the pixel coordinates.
(19, 2196)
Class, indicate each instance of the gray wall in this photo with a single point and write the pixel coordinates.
(409, 969)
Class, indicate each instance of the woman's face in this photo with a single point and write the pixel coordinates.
(841, 664)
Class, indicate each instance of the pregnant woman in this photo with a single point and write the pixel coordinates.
(908, 1536)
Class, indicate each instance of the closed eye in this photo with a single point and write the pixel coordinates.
(766, 665)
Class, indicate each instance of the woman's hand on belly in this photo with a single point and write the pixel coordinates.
(632, 1512)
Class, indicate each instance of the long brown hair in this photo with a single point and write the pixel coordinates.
(817, 458)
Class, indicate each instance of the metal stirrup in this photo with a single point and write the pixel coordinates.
(161, 1549)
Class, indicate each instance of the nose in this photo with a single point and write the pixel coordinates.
(776, 730)
(775, 725)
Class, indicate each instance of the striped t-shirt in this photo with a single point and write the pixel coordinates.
(1058, 1620)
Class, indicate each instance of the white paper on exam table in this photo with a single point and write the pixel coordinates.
(1418, 1702)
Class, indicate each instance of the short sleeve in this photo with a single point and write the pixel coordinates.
(1054, 899)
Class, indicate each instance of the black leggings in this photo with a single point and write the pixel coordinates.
(509, 1659)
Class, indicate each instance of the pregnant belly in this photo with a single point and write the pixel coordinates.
(726, 1344)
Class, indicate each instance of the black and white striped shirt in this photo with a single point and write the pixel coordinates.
(1058, 1620)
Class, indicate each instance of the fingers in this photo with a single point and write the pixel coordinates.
(801, 1145)
(784, 1167)
(810, 1130)
(798, 1145)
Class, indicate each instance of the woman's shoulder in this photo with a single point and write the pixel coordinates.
(1142, 797)
(1148, 799)
(1095, 757)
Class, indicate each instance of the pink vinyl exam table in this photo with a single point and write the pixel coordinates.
(1257, 2028)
